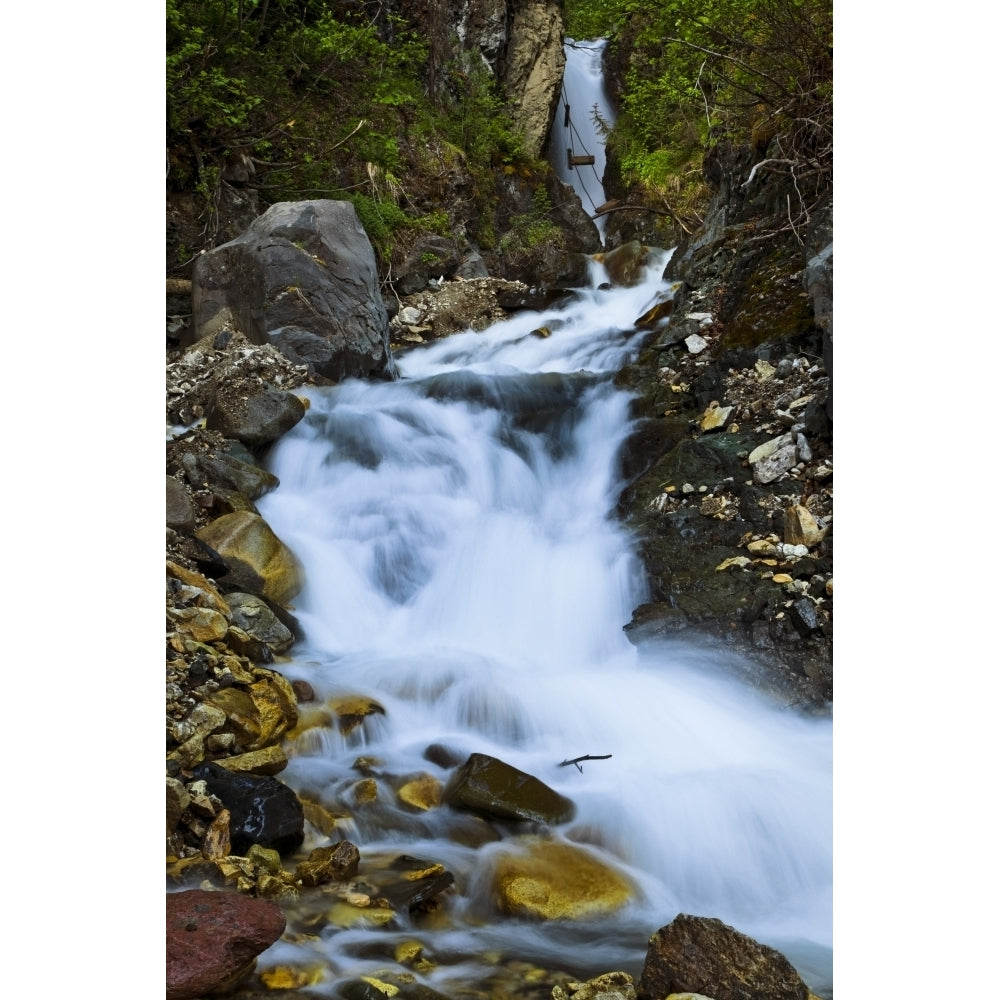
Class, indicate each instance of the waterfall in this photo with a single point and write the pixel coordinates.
(575, 133)
(464, 568)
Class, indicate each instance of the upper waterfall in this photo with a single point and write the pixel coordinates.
(578, 132)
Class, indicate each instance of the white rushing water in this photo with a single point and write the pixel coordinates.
(465, 569)
(578, 132)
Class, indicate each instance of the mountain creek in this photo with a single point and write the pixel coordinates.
(499, 621)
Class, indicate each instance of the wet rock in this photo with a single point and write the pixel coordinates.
(254, 555)
(490, 788)
(352, 710)
(624, 264)
(257, 419)
(704, 955)
(202, 624)
(409, 883)
(334, 863)
(214, 938)
(262, 810)
(552, 881)
(423, 792)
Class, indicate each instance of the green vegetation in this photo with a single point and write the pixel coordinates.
(704, 72)
(311, 98)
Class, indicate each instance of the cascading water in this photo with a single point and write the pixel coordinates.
(575, 133)
(464, 569)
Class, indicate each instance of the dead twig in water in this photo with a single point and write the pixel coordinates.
(588, 756)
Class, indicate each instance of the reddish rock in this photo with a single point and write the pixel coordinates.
(704, 955)
(213, 938)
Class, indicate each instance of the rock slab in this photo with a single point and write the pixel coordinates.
(214, 938)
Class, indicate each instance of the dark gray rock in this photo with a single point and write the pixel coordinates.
(495, 790)
(308, 265)
(256, 419)
(229, 473)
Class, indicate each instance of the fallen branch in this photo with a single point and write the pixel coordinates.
(588, 756)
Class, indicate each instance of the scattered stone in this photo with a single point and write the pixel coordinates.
(715, 416)
(801, 527)
(610, 986)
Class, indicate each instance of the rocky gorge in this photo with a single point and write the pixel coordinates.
(727, 484)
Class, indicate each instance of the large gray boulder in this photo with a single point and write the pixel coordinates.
(307, 266)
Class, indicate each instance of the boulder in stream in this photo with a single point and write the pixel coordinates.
(495, 790)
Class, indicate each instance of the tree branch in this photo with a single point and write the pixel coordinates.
(588, 756)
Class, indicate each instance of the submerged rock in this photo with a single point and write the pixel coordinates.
(552, 881)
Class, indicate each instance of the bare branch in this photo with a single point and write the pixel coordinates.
(588, 756)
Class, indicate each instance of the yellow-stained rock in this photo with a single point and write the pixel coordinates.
(801, 527)
(275, 887)
(259, 715)
(287, 977)
(352, 710)
(421, 793)
(256, 556)
(202, 624)
(781, 578)
(365, 791)
(264, 859)
(320, 817)
(345, 915)
(211, 597)
(387, 988)
(715, 416)
(267, 761)
(215, 843)
(411, 953)
(554, 881)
